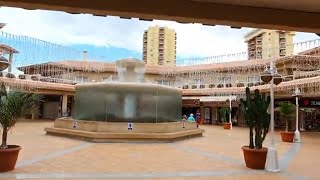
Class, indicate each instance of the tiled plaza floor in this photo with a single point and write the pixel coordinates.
(217, 155)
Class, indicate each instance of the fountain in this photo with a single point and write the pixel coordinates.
(126, 110)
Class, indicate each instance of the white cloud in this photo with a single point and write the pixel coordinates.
(62, 28)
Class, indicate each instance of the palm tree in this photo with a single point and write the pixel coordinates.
(286, 109)
(14, 105)
(224, 111)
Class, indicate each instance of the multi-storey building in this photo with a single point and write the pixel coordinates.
(159, 46)
(264, 43)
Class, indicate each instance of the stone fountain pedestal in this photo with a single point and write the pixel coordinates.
(106, 132)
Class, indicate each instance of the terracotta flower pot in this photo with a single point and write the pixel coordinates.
(8, 158)
(255, 158)
(226, 125)
(287, 136)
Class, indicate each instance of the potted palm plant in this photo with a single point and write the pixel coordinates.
(13, 105)
(255, 109)
(224, 111)
(286, 110)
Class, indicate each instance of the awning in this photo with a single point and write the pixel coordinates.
(211, 98)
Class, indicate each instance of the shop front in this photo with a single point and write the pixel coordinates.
(309, 114)
(207, 108)
(190, 105)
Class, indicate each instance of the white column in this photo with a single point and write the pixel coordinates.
(64, 104)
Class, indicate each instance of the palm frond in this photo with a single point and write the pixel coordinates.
(15, 105)
(286, 109)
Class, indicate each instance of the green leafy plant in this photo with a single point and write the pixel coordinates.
(256, 116)
(286, 110)
(14, 105)
(224, 112)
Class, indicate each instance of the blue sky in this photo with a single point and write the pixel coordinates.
(110, 38)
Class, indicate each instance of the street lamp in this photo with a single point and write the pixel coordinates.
(4, 63)
(271, 75)
(297, 94)
(230, 106)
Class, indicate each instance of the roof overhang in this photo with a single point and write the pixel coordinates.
(211, 98)
(295, 15)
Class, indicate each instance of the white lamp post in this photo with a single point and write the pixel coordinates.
(4, 63)
(230, 106)
(271, 75)
(297, 94)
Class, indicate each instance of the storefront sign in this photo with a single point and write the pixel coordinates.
(315, 103)
(220, 104)
(308, 102)
(190, 102)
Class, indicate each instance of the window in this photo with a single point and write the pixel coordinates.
(198, 81)
(253, 79)
(82, 79)
(220, 80)
(227, 79)
(163, 82)
(224, 79)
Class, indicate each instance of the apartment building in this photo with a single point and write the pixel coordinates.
(264, 43)
(159, 46)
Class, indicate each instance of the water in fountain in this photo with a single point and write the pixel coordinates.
(128, 100)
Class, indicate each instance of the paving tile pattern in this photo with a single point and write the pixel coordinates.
(216, 155)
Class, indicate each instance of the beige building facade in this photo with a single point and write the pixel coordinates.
(159, 46)
(205, 87)
(264, 43)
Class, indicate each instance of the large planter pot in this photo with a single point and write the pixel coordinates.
(8, 158)
(226, 125)
(255, 158)
(287, 136)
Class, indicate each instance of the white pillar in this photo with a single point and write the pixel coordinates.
(64, 104)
